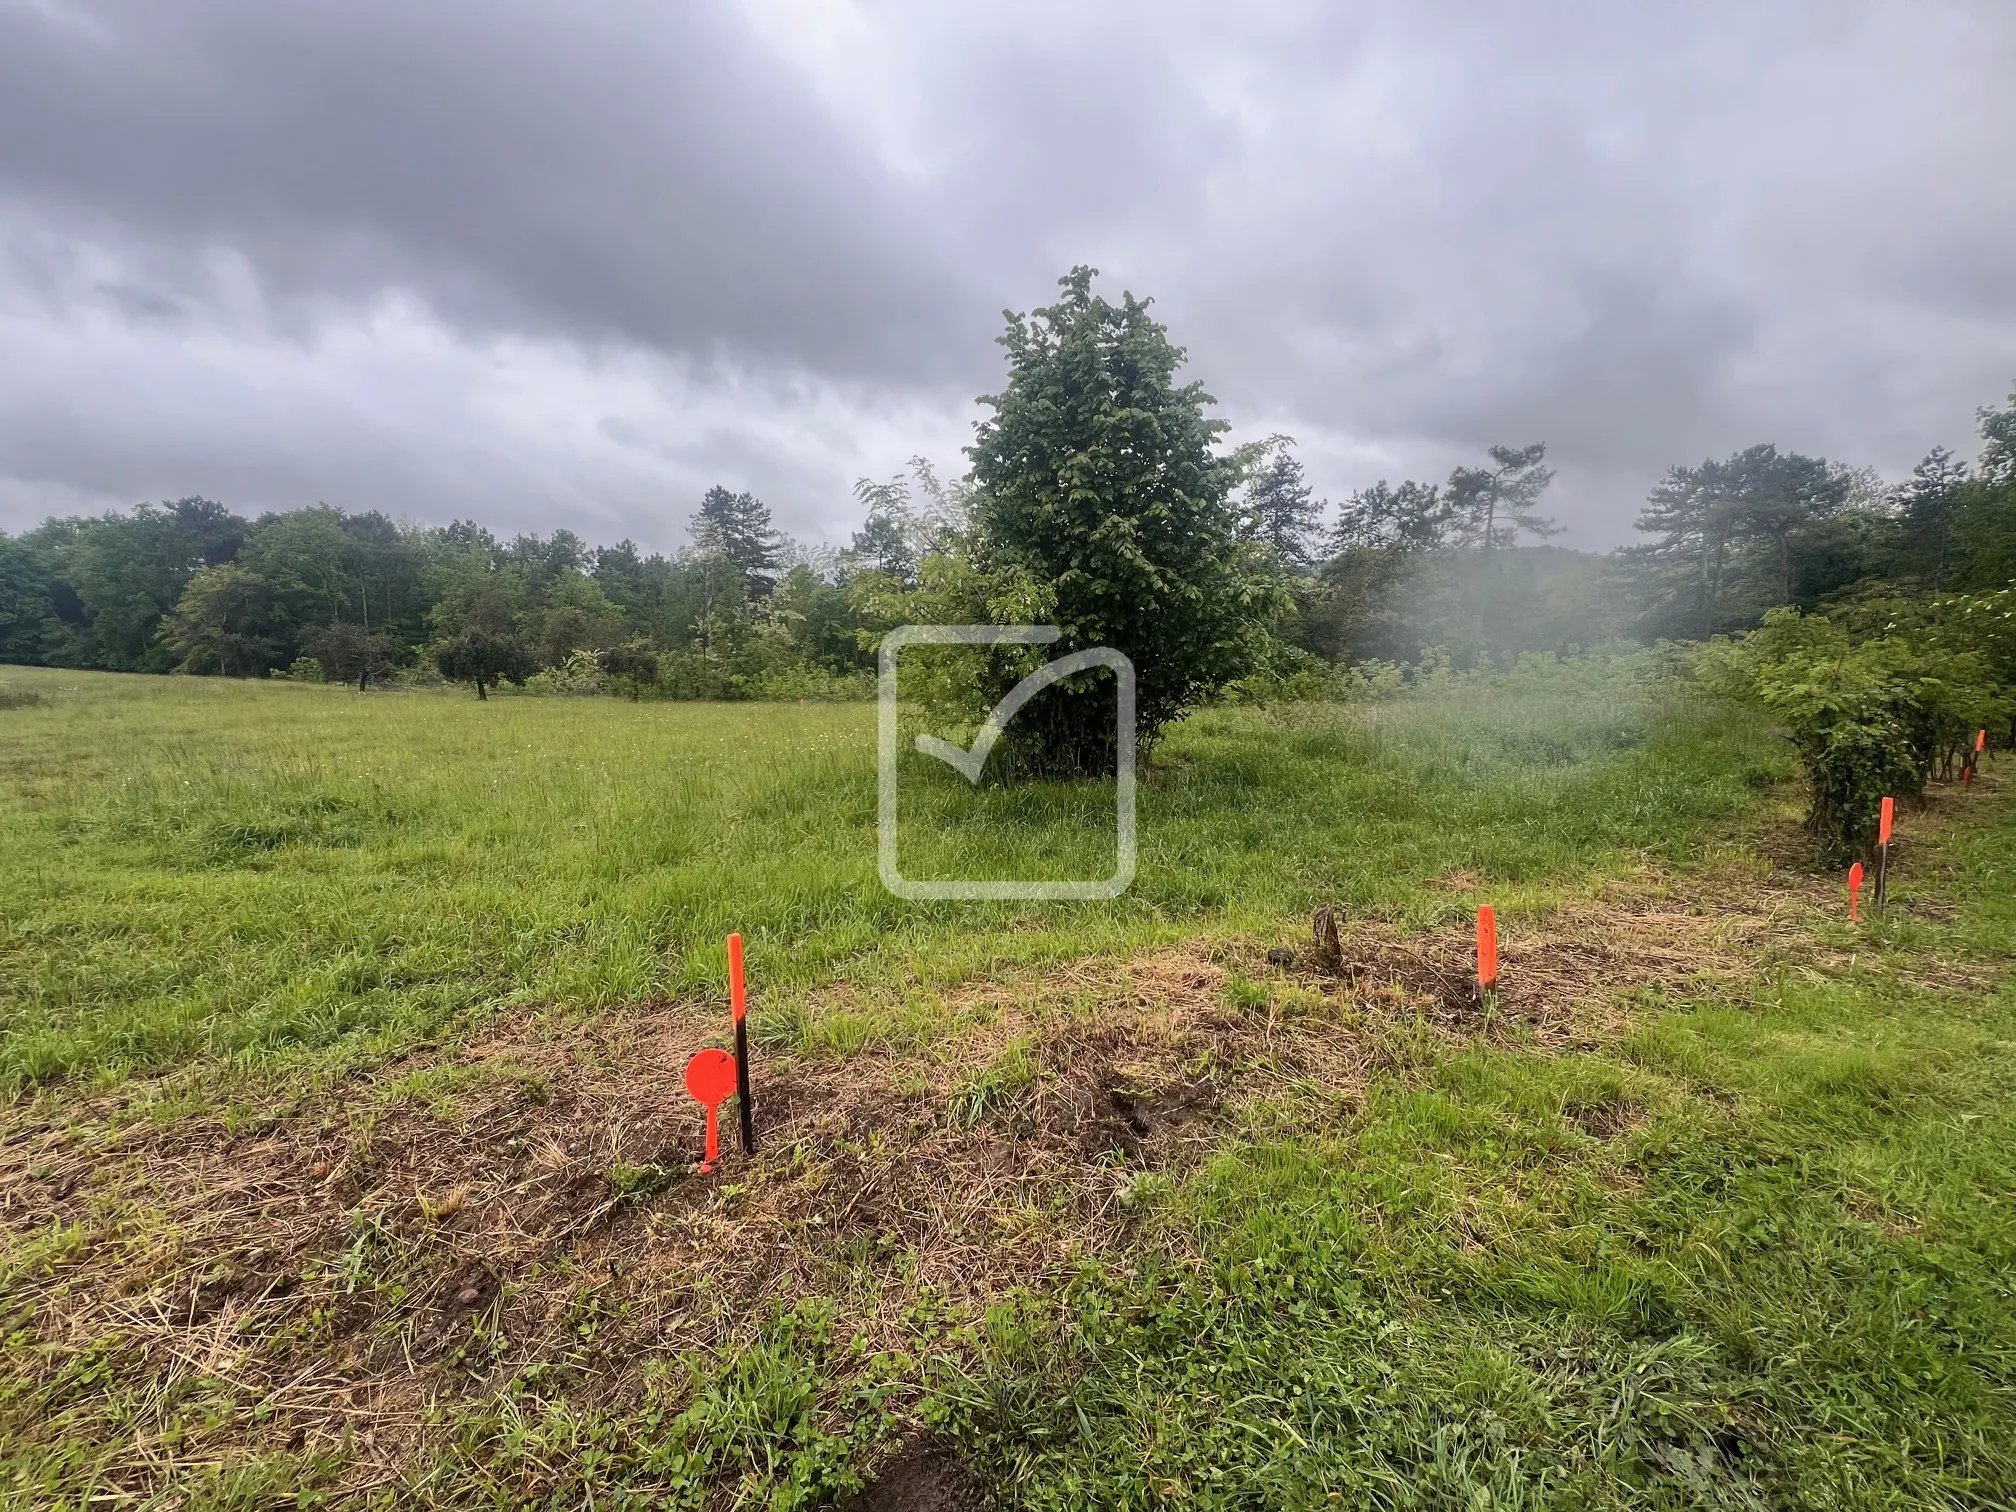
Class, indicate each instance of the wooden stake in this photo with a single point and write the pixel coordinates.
(739, 1003)
(1487, 948)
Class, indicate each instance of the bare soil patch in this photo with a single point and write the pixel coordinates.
(924, 1477)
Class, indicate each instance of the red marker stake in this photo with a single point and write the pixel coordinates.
(1980, 745)
(710, 1078)
(1487, 948)
(1854, 889)
(738, 1001)
(1883, 826)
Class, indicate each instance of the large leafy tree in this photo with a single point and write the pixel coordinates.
(1984, 525)
(350, 653)
(485, 658)
(1783, 494)
(222, 625)
(27, 602)
(304, 556)
(128, 572)
(1099, 487)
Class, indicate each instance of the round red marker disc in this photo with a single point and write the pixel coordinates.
(710, 1077)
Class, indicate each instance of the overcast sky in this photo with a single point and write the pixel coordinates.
(569, 262)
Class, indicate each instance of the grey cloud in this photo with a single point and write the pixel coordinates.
(631, 248)
(635, 173)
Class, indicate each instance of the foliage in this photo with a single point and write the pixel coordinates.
(580, 675)
(215, 625)
(634, 662)
(1279, 510)
(737, 528)
(1492, 507)
(485, 658)
(348, 652)
(1726, 538)
(1099, 491)
(28, 585)
(1870, 718)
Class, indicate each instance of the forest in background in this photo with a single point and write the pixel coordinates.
(1451, 573)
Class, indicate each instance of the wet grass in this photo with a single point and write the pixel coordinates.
(1743, 1243)
(199, 869)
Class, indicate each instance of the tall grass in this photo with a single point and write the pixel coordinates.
(203, 868)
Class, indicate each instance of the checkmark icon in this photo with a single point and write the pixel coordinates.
(970, 762)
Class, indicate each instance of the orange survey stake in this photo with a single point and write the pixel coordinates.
(710, 1081)
(1854, 889)
(738, 1000)
(1883, 824)
(1487, 946)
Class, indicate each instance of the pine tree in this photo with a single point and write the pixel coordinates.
(1281, 510)
(1492, 507)
(1927, 506)
(737, 527)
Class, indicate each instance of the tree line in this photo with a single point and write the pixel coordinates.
(189, 586)
(1100, 497)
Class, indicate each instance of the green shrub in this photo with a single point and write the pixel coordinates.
(1870, 718)
(305, 669)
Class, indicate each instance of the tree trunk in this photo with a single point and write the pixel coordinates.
(485, 697)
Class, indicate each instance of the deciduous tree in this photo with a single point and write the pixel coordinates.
(1098, 486)
(485, 658)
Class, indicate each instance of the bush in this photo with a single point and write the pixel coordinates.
(305, 669)
(633, 666)
(816, 684)
(694, 675)
(1870, 719)
(579, 676)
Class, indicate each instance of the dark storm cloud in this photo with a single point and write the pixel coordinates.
(629, 172)
(556, 263)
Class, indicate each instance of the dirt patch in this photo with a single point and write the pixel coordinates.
(924, 1477)
(451, 1218)
(1605, 1120)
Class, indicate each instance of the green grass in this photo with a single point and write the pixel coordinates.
(197, 869)
(1789, 1286)
(1753, 1251)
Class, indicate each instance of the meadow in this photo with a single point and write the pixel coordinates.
(343, 1162)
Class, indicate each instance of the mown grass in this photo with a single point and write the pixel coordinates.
(1786, 1282)
(1754, 1251)
(197, 869)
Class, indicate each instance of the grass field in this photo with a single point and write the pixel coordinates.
(345, 1159)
